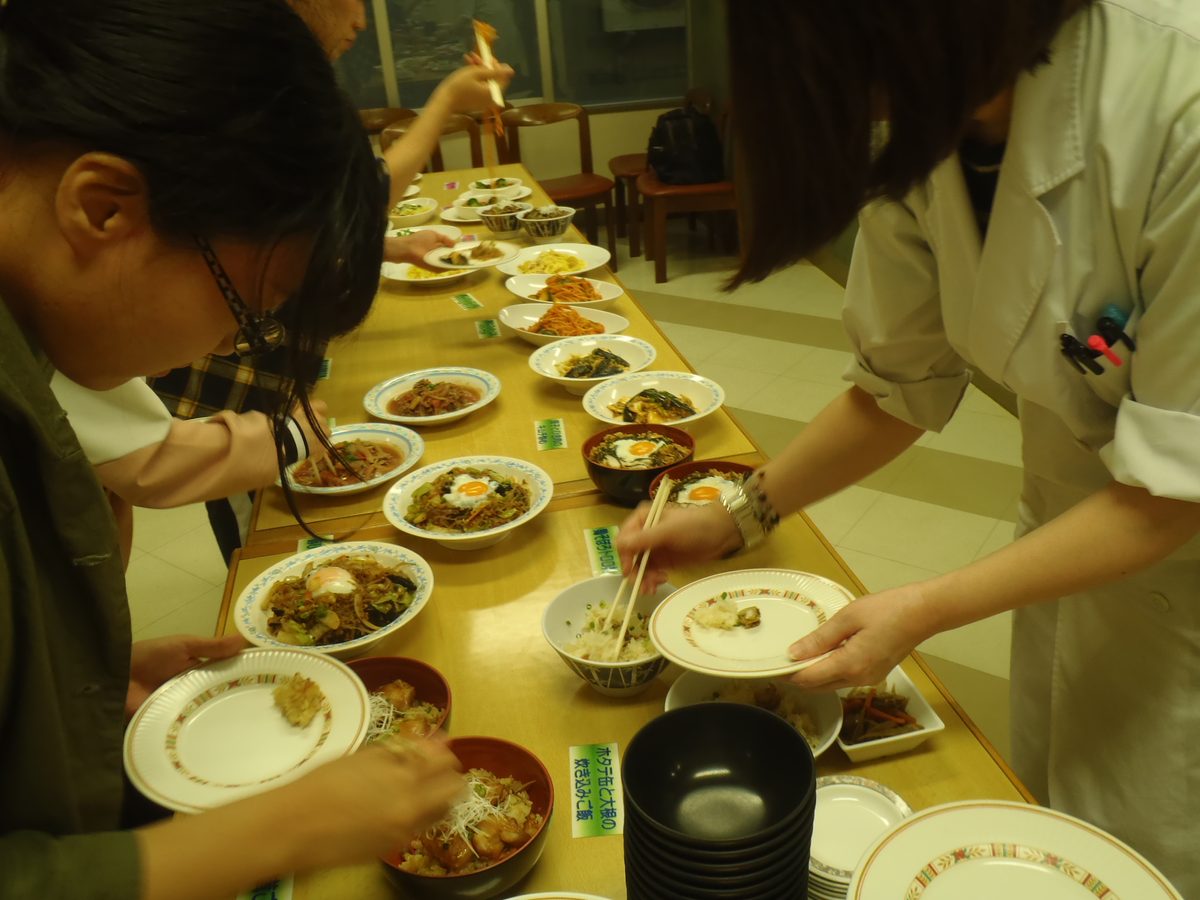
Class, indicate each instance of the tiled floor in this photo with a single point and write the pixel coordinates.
(779, 351)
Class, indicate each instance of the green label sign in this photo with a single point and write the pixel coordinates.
(487, 328)
(602, 550)
(312, 543)
(597, 804)
(275, 890)
(467, 301)
(551, 434)
(326, 367)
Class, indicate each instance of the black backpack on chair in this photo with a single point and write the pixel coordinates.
(685, 148)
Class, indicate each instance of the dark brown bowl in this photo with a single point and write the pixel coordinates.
(431, 686)
(683, 470)
(504, 759)
(629, 487)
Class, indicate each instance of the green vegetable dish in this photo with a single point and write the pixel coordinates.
(465, 499)
(334, 602)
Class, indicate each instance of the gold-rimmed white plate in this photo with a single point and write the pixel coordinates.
(213, 734)
(791, 605)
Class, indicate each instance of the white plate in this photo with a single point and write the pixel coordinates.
(824, 707)
(488, 184)
(541, 490)
(407, 441)
(416, 179)
(460, 216)
(213, 735)
(998, 850)
(791, 604)
(400, 272)
(508, 252)
(412, 190)
(527, 287)
(376, 400)
(706, 395)
(851, 813)
(455, 234)
(918, 708)
(251, 618)
(521, 316)
(545, 361)
(519, 192)
(590, 257)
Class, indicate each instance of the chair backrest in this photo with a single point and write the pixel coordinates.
(454, 124)
(379, 118)
(539, 114)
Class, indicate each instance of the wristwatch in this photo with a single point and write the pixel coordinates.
(751, 512)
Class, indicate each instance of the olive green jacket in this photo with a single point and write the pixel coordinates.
(64, 652)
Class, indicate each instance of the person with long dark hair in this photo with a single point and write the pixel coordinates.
(1026, 175)
(150, 213)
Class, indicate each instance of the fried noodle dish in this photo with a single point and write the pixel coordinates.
(463, 500)
(432, 398)
(552, 262)
(568, 289)
(366, 461)
(416, 273)
(563, 321)
(493, 821)
(337, 601)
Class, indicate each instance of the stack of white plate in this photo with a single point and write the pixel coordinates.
(851, 814)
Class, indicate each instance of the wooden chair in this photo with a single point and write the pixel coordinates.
(664, 200)
(379, 118)
(626, 169)
(587, 189)
(455, 124)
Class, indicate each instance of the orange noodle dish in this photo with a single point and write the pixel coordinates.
(364, 461)
(563, 321)
(492, 822)
(346, 598)
(432, 398)
(568, 289)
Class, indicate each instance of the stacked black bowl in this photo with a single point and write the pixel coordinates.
(719, 801)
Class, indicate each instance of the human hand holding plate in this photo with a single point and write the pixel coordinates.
(414, 247)
(863, 642)
(155, 662)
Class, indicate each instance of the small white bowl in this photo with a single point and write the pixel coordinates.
(546, 360)
(825, 708)
(376, 400)
(395, 504)
(564, 617)
(501, 185)
(427, 206)
(918, 708)
(455, 234)
(251, 618)
(527, 287)
(519, 317)
(407, 441)
(547, 230)
(473, 201)
(706, 395)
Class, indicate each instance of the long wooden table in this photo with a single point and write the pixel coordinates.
(482, 627)
(414, 327)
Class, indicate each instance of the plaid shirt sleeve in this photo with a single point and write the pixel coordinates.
(233, 382)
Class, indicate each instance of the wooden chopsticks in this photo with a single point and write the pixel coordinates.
(656, 510)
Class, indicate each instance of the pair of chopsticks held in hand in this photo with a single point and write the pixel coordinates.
(656, 510)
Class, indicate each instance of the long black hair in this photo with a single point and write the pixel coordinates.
(810, 78)
(230, 111)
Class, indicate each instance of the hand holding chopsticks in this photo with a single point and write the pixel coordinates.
(656, 510)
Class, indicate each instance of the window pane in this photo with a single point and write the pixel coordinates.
(429, 38)
(619, 51)
(358, 70)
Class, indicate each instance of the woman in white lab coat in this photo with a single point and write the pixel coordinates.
(1040, 188)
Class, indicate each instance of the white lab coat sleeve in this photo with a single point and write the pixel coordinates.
(1156, 443)
(893, 316)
